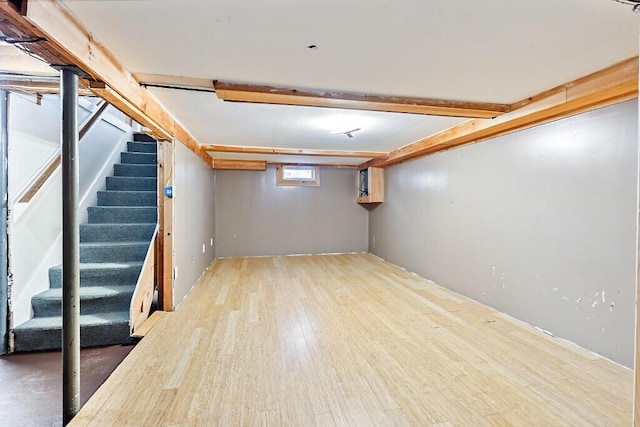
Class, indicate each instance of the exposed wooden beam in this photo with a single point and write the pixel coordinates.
(312, 98)
(320, 165)
(292, 151)
(51, 32)
(614, 84)
(244, 165)
(36, 87)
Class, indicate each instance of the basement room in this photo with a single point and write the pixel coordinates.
(319, 213)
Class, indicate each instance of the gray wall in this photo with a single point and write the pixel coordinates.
(194, 219)
(256, 217)
(540, 224)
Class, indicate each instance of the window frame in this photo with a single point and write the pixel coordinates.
(280, 181)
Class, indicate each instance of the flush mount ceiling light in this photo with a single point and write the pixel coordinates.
(634, 3)
(349, 133)
(343, 122)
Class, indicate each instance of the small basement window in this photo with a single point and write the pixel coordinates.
(306, 176)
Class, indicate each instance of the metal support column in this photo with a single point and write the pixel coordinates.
(4, 258)
(70, 246)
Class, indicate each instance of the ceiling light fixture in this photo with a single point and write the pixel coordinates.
(634, 3)
(342, 122)
(349, 133)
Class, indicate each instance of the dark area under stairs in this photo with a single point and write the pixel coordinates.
(113, 245)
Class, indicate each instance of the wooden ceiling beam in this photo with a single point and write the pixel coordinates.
(48, 30)
(614, 84)
(239, 165)
(320, 165)
(36, 85)
(287, 96)
(291, 151)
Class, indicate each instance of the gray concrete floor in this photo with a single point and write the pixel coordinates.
(31, 383)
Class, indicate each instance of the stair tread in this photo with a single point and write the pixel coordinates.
(127, 191)
(133, 177)
(113, 244)
(91, 291)
(55, 322)
(122, 207)
(112, 224)
(105, 265)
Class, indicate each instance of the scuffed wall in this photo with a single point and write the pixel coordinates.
(539, 224)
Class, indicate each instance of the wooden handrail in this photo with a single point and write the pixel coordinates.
(56, 160)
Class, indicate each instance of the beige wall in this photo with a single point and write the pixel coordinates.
(194, 219)
(256, 217)
(540, 224)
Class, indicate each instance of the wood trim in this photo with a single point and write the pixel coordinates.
(291, 151)
(167, 256)
(67, 42)
(148, 324)
(245, 165)
(239, 92)
(160, 241)
(320, 165)
(143, 293)
(612, 85)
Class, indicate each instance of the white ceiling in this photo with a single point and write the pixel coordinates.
(483, 50)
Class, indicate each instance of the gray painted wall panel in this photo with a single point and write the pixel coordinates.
(540, 224)
(256, 217)
(194, 219)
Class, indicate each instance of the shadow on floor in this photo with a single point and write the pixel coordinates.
(31, 383)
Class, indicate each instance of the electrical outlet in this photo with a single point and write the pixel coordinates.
(204, 248)
(175, 273)
(212, 241)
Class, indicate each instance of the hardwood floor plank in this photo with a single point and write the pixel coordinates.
(349, 340)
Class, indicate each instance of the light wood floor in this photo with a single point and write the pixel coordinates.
(350, 340)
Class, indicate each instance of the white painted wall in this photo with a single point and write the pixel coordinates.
(194, 219)
(35, 227)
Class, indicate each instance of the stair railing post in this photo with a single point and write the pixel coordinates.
(70, 246)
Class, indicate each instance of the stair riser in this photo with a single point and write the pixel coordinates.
(142, 147)
(116, 232)
(102, 215)
(135, 170)
(123, 198)
(131, 184)
(102, 277)
(142, 137)
(138, 158)
(124, 253)
(90, 336)
(53, 307)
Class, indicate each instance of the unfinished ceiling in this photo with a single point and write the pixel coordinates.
(492, 51)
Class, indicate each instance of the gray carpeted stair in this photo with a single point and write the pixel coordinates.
(113, 245)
